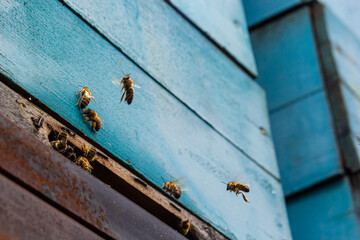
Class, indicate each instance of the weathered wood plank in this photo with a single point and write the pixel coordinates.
(285, 52)
(187, 64)
(305, 143)
(64, 183)
(342, 80)
(225, 23)
(24, 216)
(22, 112)
(65, 52)
(324, 213)
(260, 10)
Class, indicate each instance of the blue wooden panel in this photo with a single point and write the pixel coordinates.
(260, 10)
(223, 21)
(351, 142)
(49, 51)
(345, 49)
(305, 143)
(178, 56)
(285, 52)
(325, 213)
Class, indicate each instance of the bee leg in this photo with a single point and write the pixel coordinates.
(93, 98)
(244, 197)
(122, 97)
(79, 101)
(86, 119)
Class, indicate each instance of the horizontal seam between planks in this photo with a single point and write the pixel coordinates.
(279, 15)
(168, 91)
(294, 101)
(208, 37)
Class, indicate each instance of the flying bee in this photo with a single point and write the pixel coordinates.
(184, 226)
(85, 97)
(91, 115)
(89, 154)
(173, 189)
(127, 83)
(237, 188)
(84, 163)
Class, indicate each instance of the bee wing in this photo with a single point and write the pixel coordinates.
(116, 81)
(135, 85)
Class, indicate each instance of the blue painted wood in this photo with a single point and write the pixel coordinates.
(260, 10)
(305, 143)
(325, 213)
(178, 56)
(49, 51)
(223, 21)
(285, 52)
(339, 50)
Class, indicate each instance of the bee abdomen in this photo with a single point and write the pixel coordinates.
(84, 103)
(91, 154)
(129, 95)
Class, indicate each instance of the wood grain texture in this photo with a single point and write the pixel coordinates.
(285, 52)
(62, 183)
(179, 57)
(305, 143)
(21, 112)
(49, 51)
(25, 216)
(325, 213)
(342, 79)
(224, 22)
(260, 10)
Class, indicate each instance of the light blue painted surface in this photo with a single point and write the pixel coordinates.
(325, 213)
(223, 21)
(285, 52)
(305, 143)
(191, 67)
(49, 51)
(260, 10)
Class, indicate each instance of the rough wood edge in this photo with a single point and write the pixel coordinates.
(22, 111)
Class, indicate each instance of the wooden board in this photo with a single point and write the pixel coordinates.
(259, 10)
(183, 61)
(52, 52)
(285, 52)
(64, 184)
(305, 143)
(341, 77)
(24, 216)
(324, 213)
(22, 112)
(225, 23)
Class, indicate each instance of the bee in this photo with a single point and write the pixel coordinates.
(61, 145)
(85, 97)
(237, 188)
(84, 163)
(184, 226)
(173, 189)
(91, 115)
(127, 83)
(89, 154)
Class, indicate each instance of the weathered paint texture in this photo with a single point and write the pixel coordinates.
(224, 22)
(324, 213)
(49, 51)
(290, 72)
(178, 56)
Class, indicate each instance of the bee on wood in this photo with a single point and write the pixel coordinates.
(85, 97)
(91, 115)
(127, 83)
(184, 226)
(173, 189)
(89, 154)
(84, 163)
(61, 145)
(237, 188)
